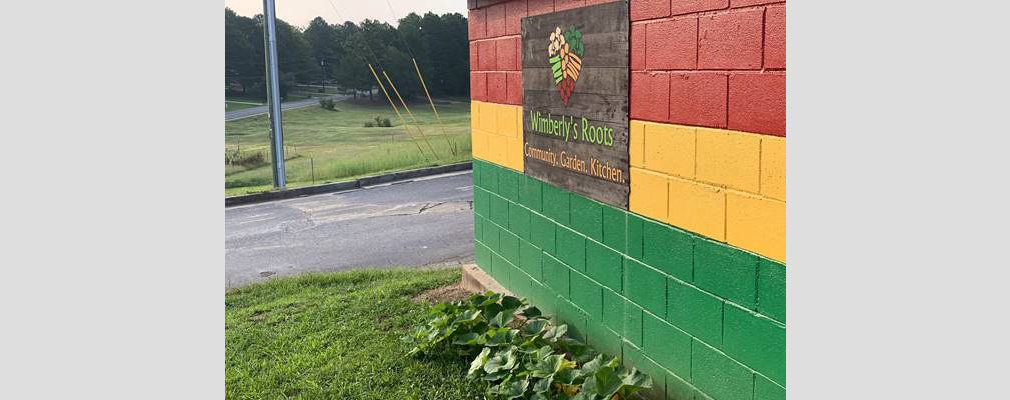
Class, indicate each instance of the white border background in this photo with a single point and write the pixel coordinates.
(113, 284)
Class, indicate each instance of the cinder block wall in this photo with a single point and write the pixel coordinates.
(688, 285)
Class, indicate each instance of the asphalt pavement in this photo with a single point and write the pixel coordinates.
(287, 105)
(422, 222)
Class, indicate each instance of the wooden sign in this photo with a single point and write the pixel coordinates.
(575, 100)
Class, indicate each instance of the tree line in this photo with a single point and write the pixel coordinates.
(342, 53)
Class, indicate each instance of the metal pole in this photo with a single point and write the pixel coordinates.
(273, 92)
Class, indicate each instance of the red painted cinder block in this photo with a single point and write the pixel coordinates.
(496, 92)
(679, 7)
(650, 96)
(730, 40)
(514, 88)
(698, 98)
(496, 20)
(649, 9)
(757, 103)
(672, 44)
(477, 24)
(478, 86)
(537, 7)
(473, 56)
(594, 2)
(486, 55)
(775, 37)
(568, 4)
(746, 3)
(507, 54)
(514, 12)
(637, 47)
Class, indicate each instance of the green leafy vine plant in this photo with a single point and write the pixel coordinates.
(520, 354)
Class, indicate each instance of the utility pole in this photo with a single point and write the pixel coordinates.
(322, 63)
(273, 92)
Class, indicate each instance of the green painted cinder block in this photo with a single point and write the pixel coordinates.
(569, 313)
(531, 193)
(543, 297)
(765, 389)
(587, 294)
(519, 220)
(475, 168)
(521, 282)
(668, 249)
(677, 388)
(571, 248)
(490, 235)
(772, 289)
(499, 210)
(635, 357)
(645, 286)
(542, 233)
(694, 311)
(635, 239)
(556, 276)
(489, 177)
(669, 346)
(509, 246)
(481, 202)
(508, 184)
(604, 265)
(498, 271)
(556, 204)
(615, 228)
(756, 341)
(478, 227)
(613, 310)
(718, 375)
(633, 322)
(530, 260)
(603, 339)
(483, 257)
(727, 272)
(587, 217)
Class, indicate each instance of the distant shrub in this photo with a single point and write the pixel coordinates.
(378, 121)
(328, 104)
(245, 159)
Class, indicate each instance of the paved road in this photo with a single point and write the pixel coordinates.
(287, 105)
(427, 221)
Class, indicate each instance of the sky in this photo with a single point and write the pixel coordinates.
(300, 12)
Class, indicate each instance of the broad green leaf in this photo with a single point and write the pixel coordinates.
(502, 360)
(468, 339)
(531, 328)
(514, 389)
(530, 312)
(555, 332)
(478, 363)
(543, 385)
(491, 310)
(468, 315)
(511, 302)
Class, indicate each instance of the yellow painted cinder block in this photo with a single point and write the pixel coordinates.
(757, 224)
(478, 144)
(636, 140)
(670, 149)
(728, 158)
(506, 116)
(474, 115)
(519, 121)
(497, 149)
(698, 208)
(514, 156)
(773, 167)
(488, 118)
(648, 195)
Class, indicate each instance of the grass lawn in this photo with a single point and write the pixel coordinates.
(337, 336)
(335, 145)
(233, 106)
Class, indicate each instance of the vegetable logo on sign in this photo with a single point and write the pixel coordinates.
(565, 53)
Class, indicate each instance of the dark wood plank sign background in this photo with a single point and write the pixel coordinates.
(580, 144)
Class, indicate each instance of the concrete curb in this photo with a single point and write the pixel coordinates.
(341, 186)
(476, 280)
